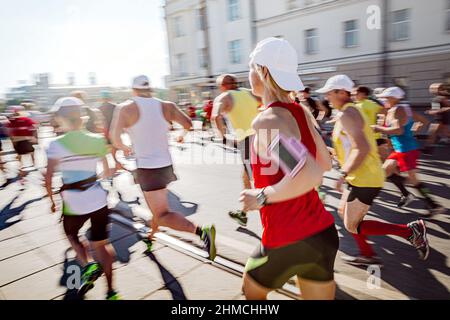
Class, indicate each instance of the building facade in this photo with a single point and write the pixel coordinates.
(378, 43)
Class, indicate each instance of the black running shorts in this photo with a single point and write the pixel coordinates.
(99, 224)
(365, 195)
(155, 179)
(311, 259)
(23, 147)
(381, 141)
(244, 148)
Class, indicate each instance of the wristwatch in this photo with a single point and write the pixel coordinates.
(261, 198)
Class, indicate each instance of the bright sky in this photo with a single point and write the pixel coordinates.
(116, 39)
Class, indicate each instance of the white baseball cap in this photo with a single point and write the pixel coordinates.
(141, 82)
(281, 59)
(67, 105)
(393, 92)
(338, 82)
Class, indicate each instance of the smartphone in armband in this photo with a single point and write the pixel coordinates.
(289, 153)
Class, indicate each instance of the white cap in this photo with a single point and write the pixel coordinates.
(393, 92)
(141, 82)
(281, 59)
(67, 105)
(339, 82)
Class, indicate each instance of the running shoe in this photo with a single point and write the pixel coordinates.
(149, 244)
(239, 216)
(91, 272)
(209, 239)
(363, 261)
(419, 238)
(405, 201)
(112, 295)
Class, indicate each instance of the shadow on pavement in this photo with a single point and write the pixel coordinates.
(8, 212)
(402, 267)
(186, 208)
(9, 182)
(70, 294)
(249, 232)
(170, 281)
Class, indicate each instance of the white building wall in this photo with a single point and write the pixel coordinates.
(330, 30)
(223, 31)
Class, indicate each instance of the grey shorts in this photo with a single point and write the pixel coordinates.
(244, 148)
(154, 179)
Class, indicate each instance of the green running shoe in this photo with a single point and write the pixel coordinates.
(113, 295)
(239, 216)
(209, 239)
(149, 244)
(91, 272)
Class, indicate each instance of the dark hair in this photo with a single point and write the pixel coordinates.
(307, 90)
(364, 90)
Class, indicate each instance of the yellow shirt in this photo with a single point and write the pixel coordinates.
(244, 111)
(370, 173)
(371, 109)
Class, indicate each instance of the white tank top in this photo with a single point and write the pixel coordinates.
(149, 135)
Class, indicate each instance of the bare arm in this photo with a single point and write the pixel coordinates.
(51, 165)
(306, 179)
(173, 113)
(396, 128)
(118, 126)
(353, 125)
(222, 105)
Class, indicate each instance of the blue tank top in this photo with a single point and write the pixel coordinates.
(405, 142)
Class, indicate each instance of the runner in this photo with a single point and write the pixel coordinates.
(3, 135)
(404, 158)
(107, 109)
(441, 111)
(299, 237)
(95, 122)
(371, 110)
(317, 109)
(361, 168)
(22, 134)
(76, 154)
(235, 109)
(146, 120)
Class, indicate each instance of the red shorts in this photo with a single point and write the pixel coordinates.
(406, 161)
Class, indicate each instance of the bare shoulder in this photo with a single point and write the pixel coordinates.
(168, 104)
(272, 119)
(127, 107)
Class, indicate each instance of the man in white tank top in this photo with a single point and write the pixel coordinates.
(146, 120)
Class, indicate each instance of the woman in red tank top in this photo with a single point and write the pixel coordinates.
(299, 237)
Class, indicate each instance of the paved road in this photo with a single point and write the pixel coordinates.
(205, 192)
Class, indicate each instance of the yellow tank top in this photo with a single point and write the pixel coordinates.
(370, 110)
(370, 173)
(244, 111)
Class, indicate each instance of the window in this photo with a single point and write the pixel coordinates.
(311, 41)
(400, 25)
(234, 48)
(202, 58)
(233, 10)
(201, 23)
(179, 32)
(181, 64)
(350, 33)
